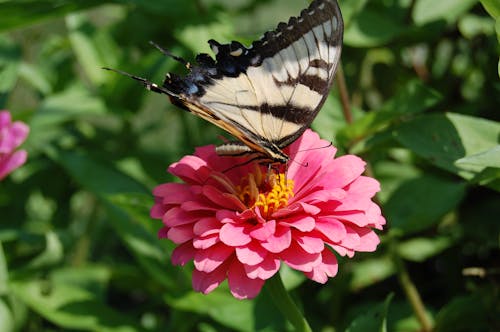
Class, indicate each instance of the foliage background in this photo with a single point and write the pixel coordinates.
(78, 250)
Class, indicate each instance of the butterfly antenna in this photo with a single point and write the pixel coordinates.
(147, 84)
(306, 164)
(316, 148)
(169, 54)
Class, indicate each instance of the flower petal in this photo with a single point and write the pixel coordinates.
(209, 259)
(241, 286)
(234, 235)
(183, 254)
(251, 254)
(298, 259)
(264, 270)
(328, 268)
(206, 282)
(279, 241)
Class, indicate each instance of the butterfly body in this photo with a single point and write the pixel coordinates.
(268, 94)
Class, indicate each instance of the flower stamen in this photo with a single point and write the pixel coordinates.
(269, 193)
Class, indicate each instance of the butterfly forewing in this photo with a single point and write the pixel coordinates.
(266, 95)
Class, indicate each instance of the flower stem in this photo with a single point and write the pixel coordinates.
(411, 291)
(344, 94)
(285, 304)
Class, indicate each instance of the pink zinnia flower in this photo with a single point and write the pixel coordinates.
(242, 223)
(11, 136)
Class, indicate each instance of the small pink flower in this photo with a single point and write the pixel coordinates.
(11, 136)
(243, 223)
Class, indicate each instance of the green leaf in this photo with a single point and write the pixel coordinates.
(421, 249)
(443, 139)
(350, 9)
(70, 305)
(368, 272)
(373, 320)
(221, 306)
(371, 28)
(4, 272)
(17, 13)
(488, 158)
(413, 98)
(419, 203)
(6, 320)
(10, 56)
(82, 37)
(34, 76)
(52, 254)
(97, 176)
(68, 105)
(129, 216)
(463, 314)
(492, 7)
(426, 11)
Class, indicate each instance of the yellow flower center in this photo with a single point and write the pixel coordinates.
(269, 193)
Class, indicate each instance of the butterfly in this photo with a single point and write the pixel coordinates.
(265, 95)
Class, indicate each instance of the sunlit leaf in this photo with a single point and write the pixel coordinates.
(421, 249)
(70, 305)
(443, 139)
(6, 320)
(447, 10)
(492, 7)
(369, 272)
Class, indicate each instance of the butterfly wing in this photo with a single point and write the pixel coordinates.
(268, 94)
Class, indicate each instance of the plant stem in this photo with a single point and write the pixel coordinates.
(285, 304)
(344, 94)
(411, 292)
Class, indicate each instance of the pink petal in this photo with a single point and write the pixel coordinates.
(368, 241)
(198, 206)
(19, 131)
(323, 196)
(176, 217)
(345, 170)
(10, 163)
(5, 119)
(328, 268)
(298, 259)
(264, 270)
(209, 259)
(364, 186)
(330, 227)
(234, 235)
(180, 234)
(174, 193)
(183, 254)
(251, 254)
(279, 241)
(222, 199)
(241, 286)
(205, 242)
(263, 231)
(207, 226)
(297, 207)
(301, 223)
(190, 169)
(312, 245)
(206, 282)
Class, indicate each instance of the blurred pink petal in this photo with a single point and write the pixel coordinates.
(12, 135)
(241, 224)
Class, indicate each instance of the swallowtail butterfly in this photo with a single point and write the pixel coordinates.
(265, 95)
